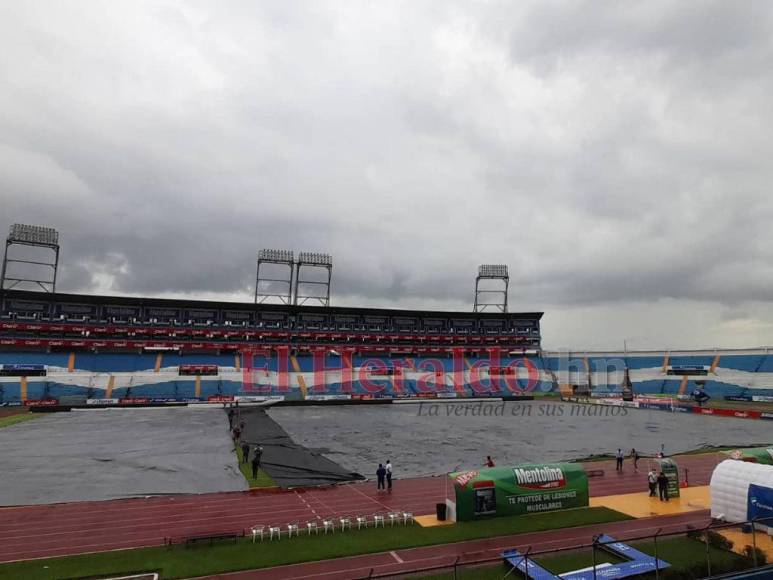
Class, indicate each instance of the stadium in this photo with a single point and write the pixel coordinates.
(137, 403)
(386, 290)
(110, 348)
(107, 350)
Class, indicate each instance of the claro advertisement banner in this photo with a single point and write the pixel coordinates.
(518, 490)
(760, 504)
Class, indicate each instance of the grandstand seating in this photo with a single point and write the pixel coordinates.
(155, 375)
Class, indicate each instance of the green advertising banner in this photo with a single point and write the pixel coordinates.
(762, 455)
(519, 490)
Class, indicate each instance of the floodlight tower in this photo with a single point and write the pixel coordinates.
(37, 237)
(313, 260)
(498, 294)
(272, 287)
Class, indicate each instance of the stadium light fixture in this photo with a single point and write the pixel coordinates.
(492, 271)
(37, 235)
(484, 295)
(284, 256)
(22, 271)
(271, 287)
(315, 259)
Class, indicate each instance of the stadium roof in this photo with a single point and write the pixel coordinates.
(185, 303)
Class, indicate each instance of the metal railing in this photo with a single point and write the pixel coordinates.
(718, 550)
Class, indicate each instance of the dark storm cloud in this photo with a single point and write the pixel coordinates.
(613, 155)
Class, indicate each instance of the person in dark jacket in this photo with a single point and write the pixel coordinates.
(663, 486)
(255, 464)
(245, 452)
(380, 476)
(231, 414)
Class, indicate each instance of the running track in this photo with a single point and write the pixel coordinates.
(72, 528)
(413, 559)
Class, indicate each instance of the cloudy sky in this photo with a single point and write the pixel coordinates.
(617, 156)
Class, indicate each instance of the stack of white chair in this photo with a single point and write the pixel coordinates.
(257, 532)
(330, 524)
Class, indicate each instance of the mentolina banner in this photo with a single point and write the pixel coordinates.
(519, 490)
(762, 455)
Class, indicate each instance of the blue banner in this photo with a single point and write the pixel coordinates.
(637, 563)
(759, 504)
(528, 567)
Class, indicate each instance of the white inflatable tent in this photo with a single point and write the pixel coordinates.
(730, 487)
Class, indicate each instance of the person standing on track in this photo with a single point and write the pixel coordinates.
(380, 475)
(663, 486)
(635, 457)
(388, 469)
(652, 481)
(619, 460)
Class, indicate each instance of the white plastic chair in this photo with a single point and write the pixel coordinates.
(312, 527)
(393, 517)
(407, 517)
(378, 519)
(329, 525)
(344, 522)
(292, 529)
(257, 532)
(274, 530)
(362, 522)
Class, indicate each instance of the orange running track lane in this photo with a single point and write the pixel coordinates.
(73, 528)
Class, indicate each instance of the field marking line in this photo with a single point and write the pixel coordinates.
(373, 499)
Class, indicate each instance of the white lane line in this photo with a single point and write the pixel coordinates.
(396, 557)
(387, 508)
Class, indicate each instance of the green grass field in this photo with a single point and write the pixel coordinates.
(686, 556)
(15, 418)
(263, 480)
(181, 562)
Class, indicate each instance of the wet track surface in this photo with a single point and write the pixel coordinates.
(432, 438)
(55, 530)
